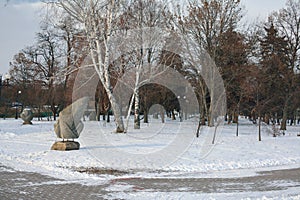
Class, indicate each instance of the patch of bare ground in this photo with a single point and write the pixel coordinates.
(102, 171)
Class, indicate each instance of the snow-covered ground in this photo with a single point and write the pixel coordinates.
(169, 150)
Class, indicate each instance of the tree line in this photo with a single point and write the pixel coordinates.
(258, 62)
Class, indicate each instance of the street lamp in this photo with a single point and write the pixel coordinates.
(17, 104)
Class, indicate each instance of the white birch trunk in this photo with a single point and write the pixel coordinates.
(102, 66)
(117, 113)
(128, 113)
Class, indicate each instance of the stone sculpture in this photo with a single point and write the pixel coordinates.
(69, 125)
(27, 116)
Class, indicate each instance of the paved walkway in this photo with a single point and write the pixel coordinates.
(265, 181)
(24, 185)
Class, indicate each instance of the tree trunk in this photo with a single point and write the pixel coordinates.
(284, 117)
(39, 113)
(129, 112)
(259, 127)
(237, 128)
(198, 129)
(226, 117)
(108, 117)
(210, 117)
(117, 112)
(212, 101)
(146, 110)
(235, 117)
(203, 104)
(254, 118)
(162, 115)
(54, 111)
(97, 108)
(146, 120)
(173, 115)
(291, 122)
(202, 116)
(203, 121)
(54, 115)
(267, 119)
(230, 117)
(137, 124)
(180, 115)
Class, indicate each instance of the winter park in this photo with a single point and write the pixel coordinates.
(150, 99)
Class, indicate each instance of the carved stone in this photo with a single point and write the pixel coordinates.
(27, 116)
(69, 124)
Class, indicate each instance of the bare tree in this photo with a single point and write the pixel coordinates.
(97, 19)
(40, 64)
(144, 15)
(205, 22)
(74, 50)
(287, 21)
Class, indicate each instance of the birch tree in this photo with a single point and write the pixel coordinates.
(141, 16)
(97, 19)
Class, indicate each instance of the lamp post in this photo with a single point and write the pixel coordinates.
(17, 104)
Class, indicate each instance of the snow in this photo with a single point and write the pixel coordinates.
(191, 196)
(157, 150)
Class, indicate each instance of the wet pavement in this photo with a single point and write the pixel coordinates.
(25, 185)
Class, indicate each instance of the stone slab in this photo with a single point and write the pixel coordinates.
(27, 123)
(65, 146)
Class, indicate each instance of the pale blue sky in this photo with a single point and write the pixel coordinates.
(262, 8)
(19, 21)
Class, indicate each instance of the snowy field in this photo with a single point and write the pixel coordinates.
(156, 151)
